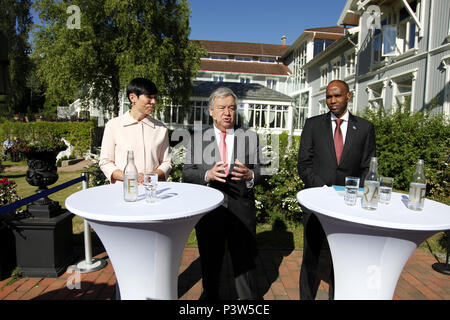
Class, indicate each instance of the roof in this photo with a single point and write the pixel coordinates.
(335, 32)
(242, 90)
(244, 67)
(326, 33)
(243, 48)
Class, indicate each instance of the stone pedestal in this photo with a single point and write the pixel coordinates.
(7, 253)
(44, 245)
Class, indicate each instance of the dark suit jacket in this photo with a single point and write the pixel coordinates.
(317, 163)
(238, 198)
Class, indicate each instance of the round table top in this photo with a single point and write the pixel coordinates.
(176, 201)
(327, 201)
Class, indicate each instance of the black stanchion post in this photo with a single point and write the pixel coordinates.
(444, 267)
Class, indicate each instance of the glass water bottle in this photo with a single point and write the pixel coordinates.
(371, 186)
(417, 187)
(130, 179)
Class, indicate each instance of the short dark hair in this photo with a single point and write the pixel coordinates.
(140, 86)
(342, 82)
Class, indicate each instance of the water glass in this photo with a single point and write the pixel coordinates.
(351, 190)
(385, 191)
(150, 184)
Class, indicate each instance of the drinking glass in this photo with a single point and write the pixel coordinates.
(351, 190)
(150, 184)
(386, 184)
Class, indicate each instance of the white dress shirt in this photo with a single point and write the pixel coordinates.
(344, 124)
(229, 140)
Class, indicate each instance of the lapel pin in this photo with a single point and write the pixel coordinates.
(354, 128)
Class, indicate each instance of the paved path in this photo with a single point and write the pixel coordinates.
(74, 167)
(278, 274)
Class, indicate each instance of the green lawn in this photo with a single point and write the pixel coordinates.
(286, 237)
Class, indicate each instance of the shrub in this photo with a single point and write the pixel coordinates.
(78, 134)
(402, 138)
(276, 196)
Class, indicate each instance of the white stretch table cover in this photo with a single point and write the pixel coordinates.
(145, 241)
(370, 248)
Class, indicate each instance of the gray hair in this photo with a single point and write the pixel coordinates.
(221, 92)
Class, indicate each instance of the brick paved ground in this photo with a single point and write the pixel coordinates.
(278, 274)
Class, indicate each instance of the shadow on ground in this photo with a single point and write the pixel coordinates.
(277, 244)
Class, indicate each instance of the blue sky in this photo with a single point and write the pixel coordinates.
(262, 21)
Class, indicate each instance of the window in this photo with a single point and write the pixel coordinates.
(389, 40)
(277, 116)
(350, 105)
(323, 106)
(446, 105)
(269, 116)
(244, 80)
(377, 43)
(320, 45)
(403, 88)
(336, 70)
(399, 34)
(324, 76)
(301, 107)
(174, 114)
(376, 95)
(199, 112)
(299, 75)
(267, 60)
(257, 118)
(217, 78)
(219, 57)
(271, 83)
(350, 64)
(406, 38)
(241, 58)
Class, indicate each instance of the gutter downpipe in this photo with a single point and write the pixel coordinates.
(427, 71)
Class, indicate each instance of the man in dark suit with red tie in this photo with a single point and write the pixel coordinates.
(332, 146)
(226, 158)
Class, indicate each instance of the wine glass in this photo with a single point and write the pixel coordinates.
(150, 184)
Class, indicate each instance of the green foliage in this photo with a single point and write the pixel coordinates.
(15, 23)
(276, 197)
(402, 138)
(78, 134)
(117, 41)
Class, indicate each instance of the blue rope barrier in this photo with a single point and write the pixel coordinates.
(24, 201)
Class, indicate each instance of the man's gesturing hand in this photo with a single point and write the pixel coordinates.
(216, 173)
(241, 172)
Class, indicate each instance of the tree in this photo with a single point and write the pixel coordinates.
(15, 23)
(116, 41)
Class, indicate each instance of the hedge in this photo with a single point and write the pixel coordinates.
(78, 134)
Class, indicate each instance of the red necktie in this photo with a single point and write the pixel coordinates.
(223, 150)
(338, 141)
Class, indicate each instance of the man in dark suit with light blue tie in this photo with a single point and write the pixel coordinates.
(332, 146)
(226, 158)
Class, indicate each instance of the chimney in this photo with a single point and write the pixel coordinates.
(283, 40)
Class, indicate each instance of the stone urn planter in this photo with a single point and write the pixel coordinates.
(41, 173)
(44, 238)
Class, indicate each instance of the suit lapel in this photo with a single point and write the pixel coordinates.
(328, 134)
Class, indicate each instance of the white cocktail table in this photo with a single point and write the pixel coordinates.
(370, 248)
(145, 241)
